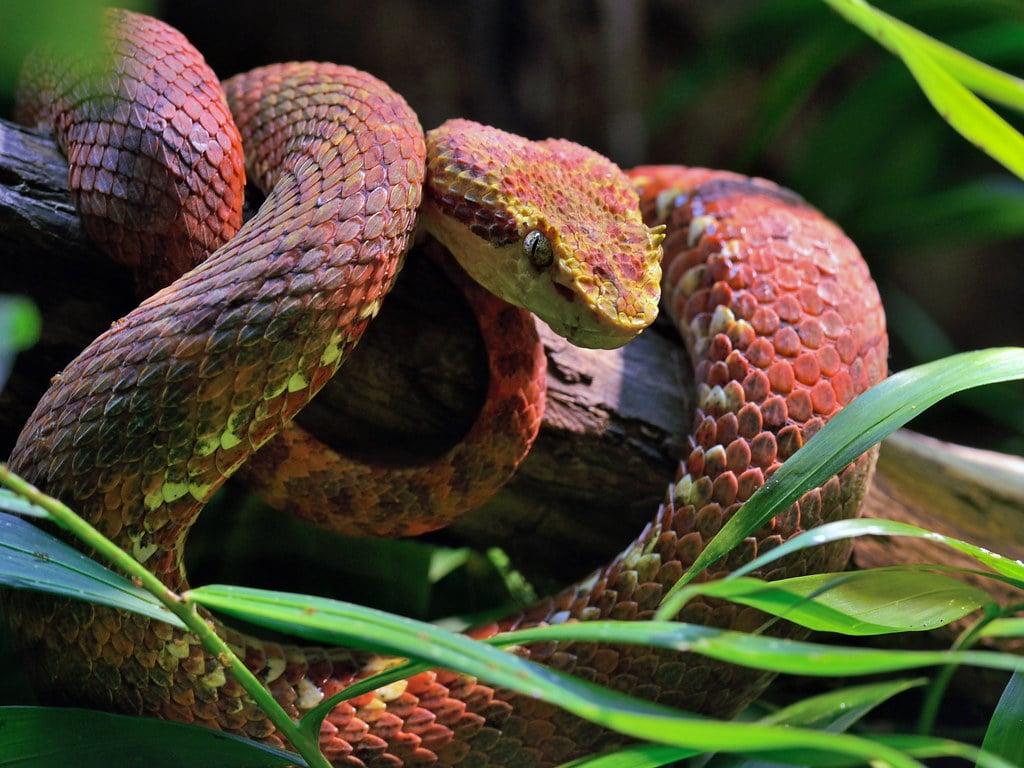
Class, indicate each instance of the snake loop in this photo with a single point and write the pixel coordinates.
(776, 307)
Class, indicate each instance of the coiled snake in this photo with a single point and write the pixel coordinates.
(782, 321)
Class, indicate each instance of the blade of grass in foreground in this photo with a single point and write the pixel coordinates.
(634, 756)
(339, 623)
(939, 71)
(835, 711)
(334, 622)
(987, 81)
(1004, 730)
(875, 414)
(360, 627)
(760, 651)
(32, 559)
(1010, 571)
(867, 602)
(44, 737)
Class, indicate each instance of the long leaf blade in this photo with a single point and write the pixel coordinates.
(1011, 571)
(1003, 736)
(965, 112)
(333, 621)
(979, 77)
(868, 602)
(939, 72)
(32, 559)
(44, 737)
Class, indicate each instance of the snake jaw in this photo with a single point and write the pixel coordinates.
(494, 199)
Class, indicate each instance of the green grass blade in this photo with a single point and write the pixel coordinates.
(875, 414)
(937, 78)
(760, 651)
(1010, 571)
(340, 623)
(925, 747)
(833, 711)
(1011, 626)
(965, 112)
(869, 602)
(44, 737)
(32, 559)
(336, 622)
(986, 81)
(1005, 729)
(838, 710)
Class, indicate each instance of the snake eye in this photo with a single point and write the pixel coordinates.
(537, 246)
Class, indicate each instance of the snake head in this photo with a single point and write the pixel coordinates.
(550, 226)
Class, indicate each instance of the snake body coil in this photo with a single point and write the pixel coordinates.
(776, 307)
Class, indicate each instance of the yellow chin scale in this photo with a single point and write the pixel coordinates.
(550, 226)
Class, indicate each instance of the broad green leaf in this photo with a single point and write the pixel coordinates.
(875, 414)
(32, 559)
(1005, 734)
(47, 737)
(344, 624)
(868, 602)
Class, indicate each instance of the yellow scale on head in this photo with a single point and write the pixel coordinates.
(567, 240)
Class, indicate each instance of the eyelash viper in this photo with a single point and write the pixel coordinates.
(776, 307)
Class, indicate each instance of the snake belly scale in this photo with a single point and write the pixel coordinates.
(776, 307)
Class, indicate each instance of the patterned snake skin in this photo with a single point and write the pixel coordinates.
(782, 321)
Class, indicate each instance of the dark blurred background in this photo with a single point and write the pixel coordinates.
(786, 90)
